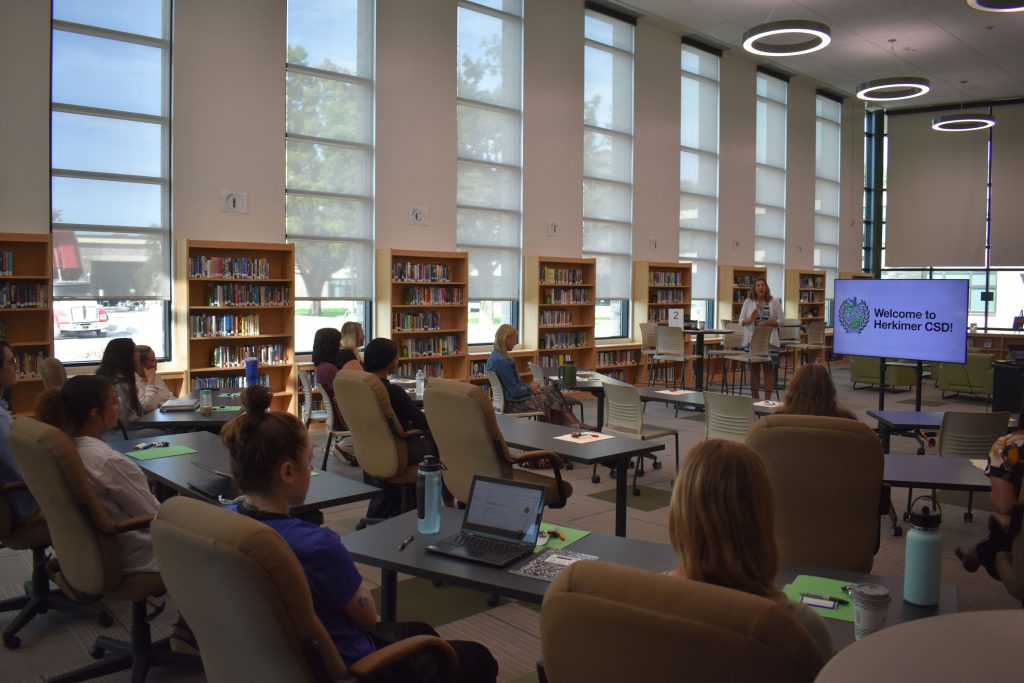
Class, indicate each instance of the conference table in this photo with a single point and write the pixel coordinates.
(694, 400)
(615, 452)
(951, 473)
(226, 405)
(900, 421)
(591, 382)
(210, 459)
(379, 546)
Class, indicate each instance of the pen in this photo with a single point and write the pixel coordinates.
(838, 601)
(407, 541)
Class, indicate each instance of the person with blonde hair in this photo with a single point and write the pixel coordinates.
(811, 392)
(521, 397)
(761, 309)
(722, 527)
(352, 339)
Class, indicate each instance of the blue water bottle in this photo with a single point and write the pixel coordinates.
(923, 567)
(428, 496)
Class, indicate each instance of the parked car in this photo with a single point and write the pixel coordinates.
(79, 317)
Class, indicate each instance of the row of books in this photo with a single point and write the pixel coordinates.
(447, 296)
(745, 280)
(665, 278)
(811, 297)
(230, 356)
(247, 295)
(223, 325)
(553, 360)
(625, 357)
(23, 295)
(430, 370)
(478, 368)
(425, 320)
(556, 317)
(445, 345)
(229, 267)
(226, 382)
(561, 276)
(29, 362)
(569, 296)
(563, 340)
(667, 296)
(812, 282)
(657, 315)
(6, 263)
(420, 272)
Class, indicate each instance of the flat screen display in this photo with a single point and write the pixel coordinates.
(910, 319)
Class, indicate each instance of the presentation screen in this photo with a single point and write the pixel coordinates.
(911, 319)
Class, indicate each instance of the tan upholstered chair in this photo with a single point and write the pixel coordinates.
(85, 539)
(604, 622)
(467, 435)
(1010, 565)
(226, 570)
(827, 474)
(52, 372)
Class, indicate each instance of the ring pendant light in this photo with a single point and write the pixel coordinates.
(807, 36)
(893, 89)
(962, 122)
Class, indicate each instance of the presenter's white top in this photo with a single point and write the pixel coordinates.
(771, 311)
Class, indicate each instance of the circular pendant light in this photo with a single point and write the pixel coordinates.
(996, 5)
(892, 89)
(963, 122)
(805, 37)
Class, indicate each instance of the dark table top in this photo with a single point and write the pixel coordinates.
(586, 380)
(694, 399)
(192, 419)
(932, 471)
(529, 434)
(377, 545)
(211, 457)
(900, 420)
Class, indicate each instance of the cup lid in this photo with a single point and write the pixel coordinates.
(871, 592)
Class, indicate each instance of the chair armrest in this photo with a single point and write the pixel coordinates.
(556, 468)
(396, 652)
(130, 524)
(411, 434)
(10, 486)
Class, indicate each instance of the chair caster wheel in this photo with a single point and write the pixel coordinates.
(636, 492)
(12, 642)
(596, 479)
(97, 652)
(656, 465)
(920, 451)
(106, 621)
(568, 465)
(906, 516)
(896, 531)
(613, 473)
(968, 516)
(493, 600)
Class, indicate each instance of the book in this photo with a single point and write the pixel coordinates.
(216, 487)
(547, 564)
(183, 404)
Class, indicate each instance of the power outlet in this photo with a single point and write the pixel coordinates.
(234, 202)
(419, 215)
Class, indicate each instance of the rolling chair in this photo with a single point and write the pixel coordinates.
(53, 373)
(538, 376)
(967, 435)
(498, 398)
(324, 415)
(624, 416)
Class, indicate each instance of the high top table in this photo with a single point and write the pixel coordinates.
(699, 351)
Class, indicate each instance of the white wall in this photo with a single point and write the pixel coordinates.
(800, 169)
(737, 135)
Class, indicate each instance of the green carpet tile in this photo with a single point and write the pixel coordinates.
(648, 500)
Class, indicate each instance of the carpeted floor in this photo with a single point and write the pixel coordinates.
(55, 642)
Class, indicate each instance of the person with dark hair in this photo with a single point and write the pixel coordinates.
(23, 505)
(328, 358)
(147, 377)
(812, 392)
(380, 357)
(271, 458)
(120, 365)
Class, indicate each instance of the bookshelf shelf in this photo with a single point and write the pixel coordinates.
(734, 283)
(805, 295)
(657, 289)
(558, 318)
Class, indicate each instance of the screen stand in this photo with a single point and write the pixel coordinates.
(920, 375)
(881, 383)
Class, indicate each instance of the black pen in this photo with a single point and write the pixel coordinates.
(838, 601)
(407, 541)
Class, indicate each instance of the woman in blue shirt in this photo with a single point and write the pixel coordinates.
(521, 397)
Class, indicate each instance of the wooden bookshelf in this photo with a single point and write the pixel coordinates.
(239, 300)
(26, 318)
(423, 304)
(620, 361)
(805, 295)
(657, 289)
(856, 276)
(734, 283)
(558, 316)
(522, 358)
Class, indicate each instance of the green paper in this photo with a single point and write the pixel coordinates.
(229, 394)
(315, 473)
(571, 536)
(818, 585)
(222, 409)
(162, 452)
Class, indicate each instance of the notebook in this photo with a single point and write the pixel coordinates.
(500, 525)
(174, 404)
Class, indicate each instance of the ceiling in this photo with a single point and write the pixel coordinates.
(944, 41)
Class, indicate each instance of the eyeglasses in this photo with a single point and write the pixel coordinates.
(15, 362)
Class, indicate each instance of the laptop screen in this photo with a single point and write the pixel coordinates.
(505, 509)
(1017, 353)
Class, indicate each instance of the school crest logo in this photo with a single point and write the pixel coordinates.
(854, 315)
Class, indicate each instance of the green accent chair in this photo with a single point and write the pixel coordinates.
(973, 377)
(864, 371)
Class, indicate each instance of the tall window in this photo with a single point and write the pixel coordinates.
(490, 167)
(329, 167)
(608, 166)
(828, 113)
(110, 170)
(770, 183)
(698, 174)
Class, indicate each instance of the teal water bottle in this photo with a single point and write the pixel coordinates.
(428, 496)
(923, 568)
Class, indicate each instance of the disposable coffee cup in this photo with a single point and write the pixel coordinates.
(870, 607)
(205, 402)
(700, 324)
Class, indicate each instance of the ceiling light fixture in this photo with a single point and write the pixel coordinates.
(892, 89)
(996, 5)
(807, 36)
(956, 123)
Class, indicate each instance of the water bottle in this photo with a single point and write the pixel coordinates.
(420, 382)
(428, 496)
(923, 566)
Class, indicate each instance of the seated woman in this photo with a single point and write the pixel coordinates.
(811, 392)
(327, 360)
(119, 365)
(1006, 471)
(521, 397)
(271, 458)
(145, 376)
(722, 527)
(352, 339)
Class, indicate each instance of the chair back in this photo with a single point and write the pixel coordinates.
(733, 339)
(222, 568)
(727, 416)
(623, 410)
(789, 333)
(538, 373)
(53, 373)
(760, 341)
(827, 475)
(467, 435)
(49, 462)
(670, 340)
(971, 435)
(306, 404)
(649, 336)
(673, 629)
(376, 431)
(816, 332)
(497, 392)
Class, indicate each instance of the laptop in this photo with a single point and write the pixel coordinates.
(500, 525)
(1017, 354)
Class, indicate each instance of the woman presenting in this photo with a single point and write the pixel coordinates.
(761, 309)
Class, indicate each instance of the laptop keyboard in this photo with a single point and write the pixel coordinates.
(483, 545)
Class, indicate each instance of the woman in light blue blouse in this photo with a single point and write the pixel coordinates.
(519, 396)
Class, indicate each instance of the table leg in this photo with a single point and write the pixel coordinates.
(620, 496)
(388, 596)
(699, 380)
(917, 397)
(885, 434)
(600, 410)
